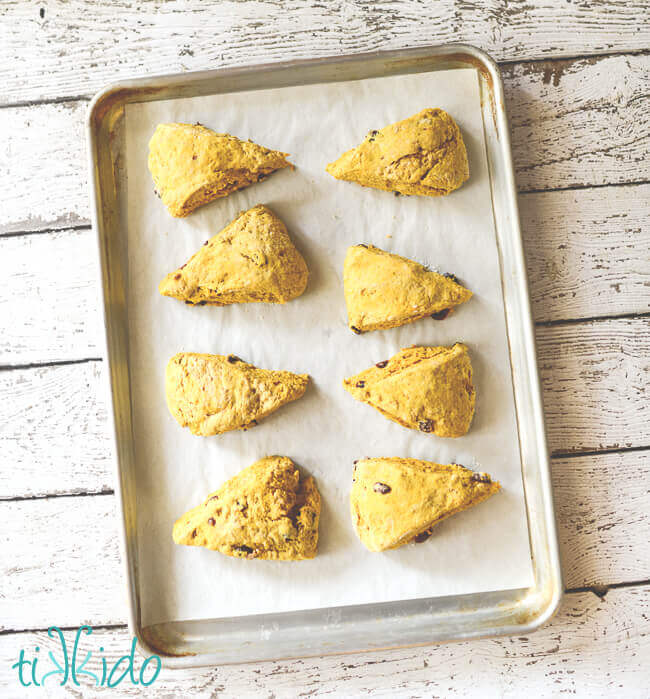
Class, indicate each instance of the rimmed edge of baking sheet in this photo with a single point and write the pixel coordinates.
(330, 631)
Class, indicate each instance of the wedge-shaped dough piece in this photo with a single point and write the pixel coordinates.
(395, 501)
(266, 511)
(383, 290)
(423, 154)
(425, 388)
(211, 394)
(250, 260)
(192, 165)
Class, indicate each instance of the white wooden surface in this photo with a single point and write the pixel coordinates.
(576, 77)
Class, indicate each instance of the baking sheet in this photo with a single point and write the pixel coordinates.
(486, 548)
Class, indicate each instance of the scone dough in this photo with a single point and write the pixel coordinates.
(425, 388)
(268, 511)
(394, 501)
(192, 165)
(384, 290)
(250, 260)
(211, 393)
(424, 154)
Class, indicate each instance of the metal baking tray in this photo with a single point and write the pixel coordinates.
(351, 628)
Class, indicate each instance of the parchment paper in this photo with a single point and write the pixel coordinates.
(485, 548)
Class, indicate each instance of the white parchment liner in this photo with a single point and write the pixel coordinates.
(483, 549)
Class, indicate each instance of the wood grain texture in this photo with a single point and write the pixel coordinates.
(53, 435)
(43, 174)
(593, 648)
(587, 252)
(561, 114)
(594, 121)
(588, 255)
(602, 504)
(60, 558)
(49, 297)
(595, 381)
(76, 47)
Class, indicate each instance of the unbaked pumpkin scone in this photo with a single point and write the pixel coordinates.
(192, 165)
(267, 511)
(396, 501)
(424, 154)
(251, 260)
(384, 290)
(424, 388)
(211, 393)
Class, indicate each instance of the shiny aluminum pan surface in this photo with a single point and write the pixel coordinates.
(343, 629)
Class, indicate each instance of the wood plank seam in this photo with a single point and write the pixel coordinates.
(567, 188)
(108, 490)
(51, 496)
(51, 100)
(40, 365)
(599, 591)
(590, 319)
(45, 231)
(524, 193)
(602, 590)
(593, 57)
(538, 324)
(555, 60)
(96, 627)
(601, 452)
(557, 456)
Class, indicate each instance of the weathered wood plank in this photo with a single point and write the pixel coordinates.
(43, 171)
(53, 431)
(587, 252)
(60, 559)
(52, 418)
(594, 647)
(74, 48)
(595, 379)
(561, 114)
(577, 123)
(602, 504)
(588, 255)
(49, 297)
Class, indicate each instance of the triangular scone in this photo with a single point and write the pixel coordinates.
(211, 394)
(192, 165)
(266, 511)
(425, 388)
(423, 154)
(383, 290)
(251, 259)
(395, 501)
